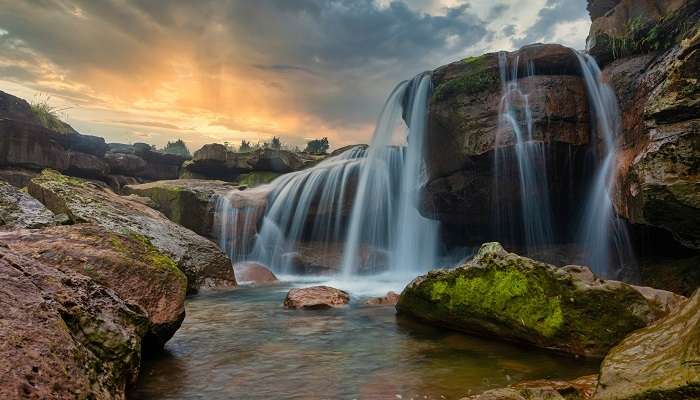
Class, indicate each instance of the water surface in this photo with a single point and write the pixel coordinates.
(242, 344)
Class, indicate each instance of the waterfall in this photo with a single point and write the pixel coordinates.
(361, 203)
(603, 236)
(515, 119)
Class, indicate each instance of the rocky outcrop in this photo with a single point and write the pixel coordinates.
(515, 298)
(142, 161)
(658, 182)
(129, 265)
(200, 259)
(465, 133)
(216, 161)
(252, 272)
(316, 297)
(17, 177)
(188, 202)
(64, 336)
(625, 27)
(12, 107)
(661, 361)
(19, 210)
(576, 389)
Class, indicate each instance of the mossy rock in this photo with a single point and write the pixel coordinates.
(480, 75)
(661, 361)
(518, 299)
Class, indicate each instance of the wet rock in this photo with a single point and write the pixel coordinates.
(188, 202)
(253, 272)
(390, 299)
(200, 259)
(577, 389)
(63, 335)
(661, 361)
(128, 264)
(319, 258)
(504, 295)
(316, 297)
(19, 210)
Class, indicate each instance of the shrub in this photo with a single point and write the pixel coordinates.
(317, 146)
(177, 147)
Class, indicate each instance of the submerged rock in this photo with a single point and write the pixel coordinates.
(577, 389)
(64, 336)
(188, 202)
(253, 272)
(316, 297)
(390, 299)
(19, 210)
(200, 259)
(518, 299)
(661, 361)
(128, 264)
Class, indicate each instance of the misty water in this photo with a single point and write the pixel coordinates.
(243, 344)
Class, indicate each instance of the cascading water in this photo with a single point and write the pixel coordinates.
(603, 236)
(515, 118)
(372, 191)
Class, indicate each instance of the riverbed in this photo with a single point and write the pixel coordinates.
(243, 344)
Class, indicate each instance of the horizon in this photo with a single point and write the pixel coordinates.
(232, 71)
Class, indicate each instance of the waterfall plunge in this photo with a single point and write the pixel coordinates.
(603, 236)
(379, 185)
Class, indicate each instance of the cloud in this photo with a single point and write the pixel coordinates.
(554, 13)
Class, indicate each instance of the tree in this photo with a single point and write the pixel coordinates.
(276, 143)
(177, 147)
(245, 146)
(317, 146)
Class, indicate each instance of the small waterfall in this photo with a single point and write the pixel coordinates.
(361, 203)
(515, 119)
(604, 237)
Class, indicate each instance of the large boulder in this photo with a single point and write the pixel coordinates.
(143, 161)
(188, 202)
(465, 136)
(253, 272)
(17, 177)
(216, 161)
(64, 336)
(316, 297)
(129, 265)
(19, 210)
(200, 259)
(281, 161)
(661, 361)
(504, 295)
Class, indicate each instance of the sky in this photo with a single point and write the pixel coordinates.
(211, 71)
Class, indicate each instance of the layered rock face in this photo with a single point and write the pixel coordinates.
(515, 298)
(660, 102)
(200, 259)
(141, 161)
(465, 132)
(127, 264)
(187, 202)
(63, 335)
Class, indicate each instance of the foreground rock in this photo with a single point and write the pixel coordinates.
(577, 389)
(661, 361)
(19, 210)
(391, 299)
(316, 297)
(253, 272)
(200, 259)
(188, 202)
(515, 298)
(129, 265)
(64, 336)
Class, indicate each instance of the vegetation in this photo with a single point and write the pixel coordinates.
(317, 146)
(48, 115)
(177, 147)
(275, 143)
(478, 76)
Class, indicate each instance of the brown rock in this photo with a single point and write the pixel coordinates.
(577, 389)
(129, 265)
(316, 297)
(390, 299)
(253, 272)
(62, 335)
(17, 177)
(200, 259)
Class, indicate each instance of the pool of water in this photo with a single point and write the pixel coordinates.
(243, 344)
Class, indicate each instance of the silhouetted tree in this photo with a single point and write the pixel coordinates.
(276, 143)
(245, 146)
(177, 147)
(317, 146)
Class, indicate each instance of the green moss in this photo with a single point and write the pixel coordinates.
(257, 178)
(478, 77)
(151, 255)
(509, 292)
